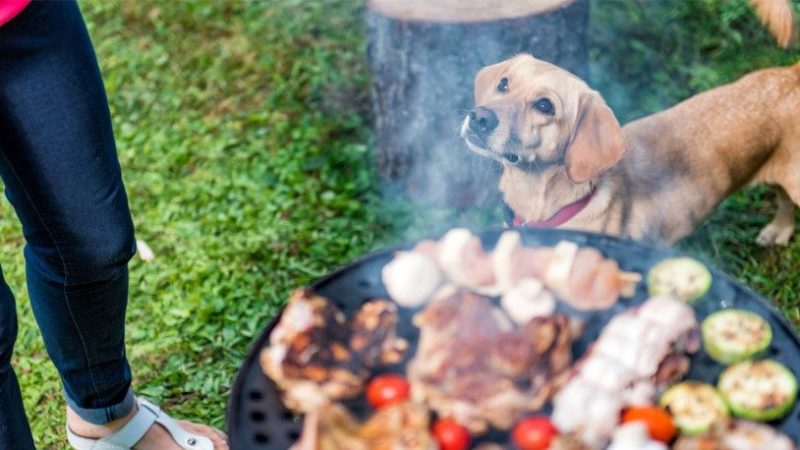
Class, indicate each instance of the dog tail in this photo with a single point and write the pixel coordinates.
(778, 17)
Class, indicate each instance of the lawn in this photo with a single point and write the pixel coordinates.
(244, 135)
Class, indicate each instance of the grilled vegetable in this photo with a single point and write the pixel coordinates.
(694, 406)
(534, 433)
(758, 390)
(451, 435)
(684, 278)
(386, 390)
(659, 423)
(735, 335)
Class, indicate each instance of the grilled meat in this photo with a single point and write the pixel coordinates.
(474, 366)
(636, 350)
(397, 427)
(315, 355)
(489, 446)
(373, 337)
(582, 277)
(568, 441)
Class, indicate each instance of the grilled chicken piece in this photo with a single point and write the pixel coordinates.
(373, 337)
(398, 427)
(315, 355)
(737, 435)
(635, 351)
(474, 366)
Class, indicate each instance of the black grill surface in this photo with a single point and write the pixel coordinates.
(257, 419)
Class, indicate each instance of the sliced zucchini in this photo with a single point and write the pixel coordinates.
(684, 278)
(758, 390)
(695, 406)
(735, 335)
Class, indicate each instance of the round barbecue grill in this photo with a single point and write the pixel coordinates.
(258, 420)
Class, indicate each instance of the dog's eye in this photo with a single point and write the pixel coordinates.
(502, 86)
(544, 106)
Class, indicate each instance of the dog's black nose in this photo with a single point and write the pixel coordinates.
(482, 121)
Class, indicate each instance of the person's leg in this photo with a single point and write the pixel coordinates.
(58, 162)
(59, 165)
(14, 431)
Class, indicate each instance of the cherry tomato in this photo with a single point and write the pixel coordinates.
(386, 390)
(534, 433)
(659, 423)
(450, 435)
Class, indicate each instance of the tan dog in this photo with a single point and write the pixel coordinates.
(566, 160)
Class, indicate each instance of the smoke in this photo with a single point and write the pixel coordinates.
(422, 88)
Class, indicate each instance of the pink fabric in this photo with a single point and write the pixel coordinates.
(10, 8)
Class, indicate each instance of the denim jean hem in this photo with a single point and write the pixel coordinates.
(101, 416)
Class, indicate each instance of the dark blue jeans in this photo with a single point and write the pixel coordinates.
(59, 165)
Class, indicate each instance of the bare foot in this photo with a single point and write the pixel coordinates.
(156, 438)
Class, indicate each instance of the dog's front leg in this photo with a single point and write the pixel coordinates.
(781, 228)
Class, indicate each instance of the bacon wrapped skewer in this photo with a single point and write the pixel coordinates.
(638, 352)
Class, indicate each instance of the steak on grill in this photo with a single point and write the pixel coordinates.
(474, 366)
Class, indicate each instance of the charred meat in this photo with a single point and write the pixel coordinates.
(399, 427)
(316, 355)
(474, 366)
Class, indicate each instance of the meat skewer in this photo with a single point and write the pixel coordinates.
(625, 366)
(582, 277)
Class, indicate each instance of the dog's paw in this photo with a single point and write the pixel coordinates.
(774, 234)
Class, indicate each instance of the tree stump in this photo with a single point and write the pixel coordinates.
(424, 55)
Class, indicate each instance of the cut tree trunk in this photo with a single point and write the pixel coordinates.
(424, 55)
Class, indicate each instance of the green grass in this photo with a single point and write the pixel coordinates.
(244, 135)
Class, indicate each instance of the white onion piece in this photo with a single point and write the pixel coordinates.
(411, 278)
(526, 300)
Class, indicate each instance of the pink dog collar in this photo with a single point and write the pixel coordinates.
(561, 216)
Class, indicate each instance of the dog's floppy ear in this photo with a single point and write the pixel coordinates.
(596, 143)
(486, 77)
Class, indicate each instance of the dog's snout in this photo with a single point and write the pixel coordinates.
(482, 121)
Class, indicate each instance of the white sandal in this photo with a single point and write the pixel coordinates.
(132, 432)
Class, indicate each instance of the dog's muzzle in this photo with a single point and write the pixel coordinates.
(477, 128)
(482, 121)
